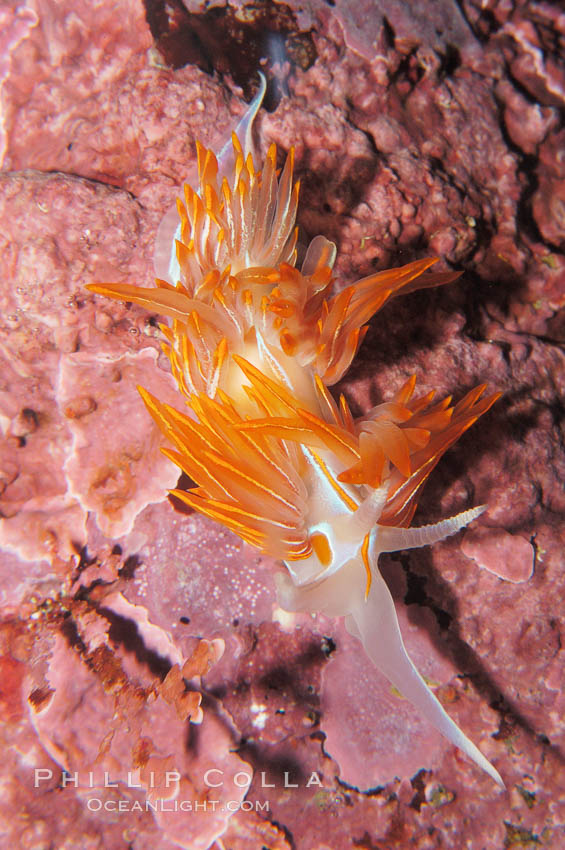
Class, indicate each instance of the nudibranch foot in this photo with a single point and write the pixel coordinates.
(375, 623)
(373, 620)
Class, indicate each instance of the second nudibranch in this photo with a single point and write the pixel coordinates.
(254, 343)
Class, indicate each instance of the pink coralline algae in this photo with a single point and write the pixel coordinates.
(105, 482)
(15, 25)
(506, 555)
(46, 400)
(131, 729)
(407, 142)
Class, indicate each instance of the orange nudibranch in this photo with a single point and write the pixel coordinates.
(254, 343)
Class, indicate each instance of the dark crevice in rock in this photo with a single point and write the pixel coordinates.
(125, 632)
(483, 24)
(131, 564)
(416, 594)
(260, 36)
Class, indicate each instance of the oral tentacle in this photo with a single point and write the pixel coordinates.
(392, 539)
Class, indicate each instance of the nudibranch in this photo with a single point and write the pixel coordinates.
(254, 343)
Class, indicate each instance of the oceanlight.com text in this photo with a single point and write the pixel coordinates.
(95, 804)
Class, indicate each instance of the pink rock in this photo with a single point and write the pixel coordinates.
(45, 251)
(543, 76)
(549, 199)
(193, 569)
(395, 151)
(362, 24)
(15, 25)
(115, 467)
(506, 555)
(527, 123)
(119, 741)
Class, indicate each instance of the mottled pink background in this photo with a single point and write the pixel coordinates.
(419, 128)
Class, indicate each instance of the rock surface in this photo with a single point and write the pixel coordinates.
(410, 140)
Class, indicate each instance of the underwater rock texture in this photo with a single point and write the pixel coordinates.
(409, 142)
